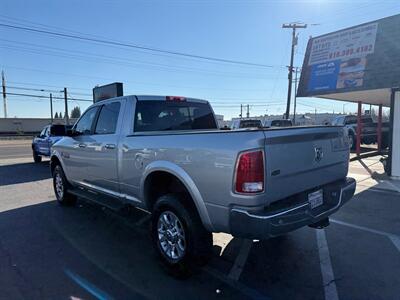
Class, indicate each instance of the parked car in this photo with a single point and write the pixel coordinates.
(369, 130)
(278, 123)
(167, 156)
(246, 123)
(42, 143)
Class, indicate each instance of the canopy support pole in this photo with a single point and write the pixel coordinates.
(359, 124)
(379, 131)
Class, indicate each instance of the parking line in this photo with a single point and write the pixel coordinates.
(88, 286)
(240, 260)
(237, 285)
(394, 238)
(393, 186)
(328, 278)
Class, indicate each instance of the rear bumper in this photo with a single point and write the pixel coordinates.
(281, 218)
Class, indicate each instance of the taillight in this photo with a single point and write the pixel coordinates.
(250, 172)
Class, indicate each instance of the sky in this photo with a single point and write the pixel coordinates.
(240, 30)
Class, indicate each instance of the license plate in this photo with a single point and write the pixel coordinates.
(316, 199)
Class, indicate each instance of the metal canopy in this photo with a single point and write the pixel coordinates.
(374, 97)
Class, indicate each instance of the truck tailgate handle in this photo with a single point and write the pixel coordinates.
(109, 146)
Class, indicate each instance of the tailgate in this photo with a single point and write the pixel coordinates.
(302, 158)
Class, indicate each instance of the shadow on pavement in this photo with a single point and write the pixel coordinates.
(24, 172)
(55, 252)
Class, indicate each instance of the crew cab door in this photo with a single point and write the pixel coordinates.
(102, 148)
(43, 142)
(75, 153)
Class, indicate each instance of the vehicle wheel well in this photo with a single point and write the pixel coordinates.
(54, 161)
(161, 183)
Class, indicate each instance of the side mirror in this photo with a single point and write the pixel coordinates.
(70, 132)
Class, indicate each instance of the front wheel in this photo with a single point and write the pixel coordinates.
(36, 158)
(179, 236)
(61, 187)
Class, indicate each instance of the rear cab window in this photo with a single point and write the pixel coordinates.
(250, 123)
(281, 123)
(173, 115)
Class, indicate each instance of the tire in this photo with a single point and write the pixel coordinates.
(36, 158)
(353, 141)
(385, 143)
(61, 187)
(187, 238)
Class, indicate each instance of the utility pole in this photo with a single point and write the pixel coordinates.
(51, 107)
(295, 95)
(3, 83)
(248, 111)
(315, 116)
(241, 110)
(293, 26)
(66, 107)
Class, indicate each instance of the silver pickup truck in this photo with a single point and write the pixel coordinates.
(166, 155)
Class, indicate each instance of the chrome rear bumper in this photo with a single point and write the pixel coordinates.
(280, 219)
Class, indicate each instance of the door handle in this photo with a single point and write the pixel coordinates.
(82, 145)
(109, 146)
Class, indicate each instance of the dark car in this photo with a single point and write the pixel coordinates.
(42, 143)
(278, 123)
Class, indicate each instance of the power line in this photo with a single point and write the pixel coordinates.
(103, 41)
(43, 84)
(47, 97)
(135, 82)
(89, 58)
(43, 90)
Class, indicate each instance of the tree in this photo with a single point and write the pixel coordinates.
(60, 115)
(75, 112)
(56, 115)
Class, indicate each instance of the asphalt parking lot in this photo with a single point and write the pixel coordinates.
(86, 252)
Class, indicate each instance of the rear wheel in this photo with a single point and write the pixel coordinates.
(385, 143)
(61, 187)
(180, 239)
(36, 158)
(352, 141)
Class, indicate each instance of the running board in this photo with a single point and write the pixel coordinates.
(110, 202)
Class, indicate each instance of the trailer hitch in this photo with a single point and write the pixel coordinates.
(320, 224)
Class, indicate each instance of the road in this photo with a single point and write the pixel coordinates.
(10, 149)
(87, 252)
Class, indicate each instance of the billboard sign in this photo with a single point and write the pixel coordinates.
(107, 91)
(356, 58)
(349, 43)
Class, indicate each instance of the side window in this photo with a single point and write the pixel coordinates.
(46, 132)
(84, 125)
(108, 118)
(43, 132)
(351, 120)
